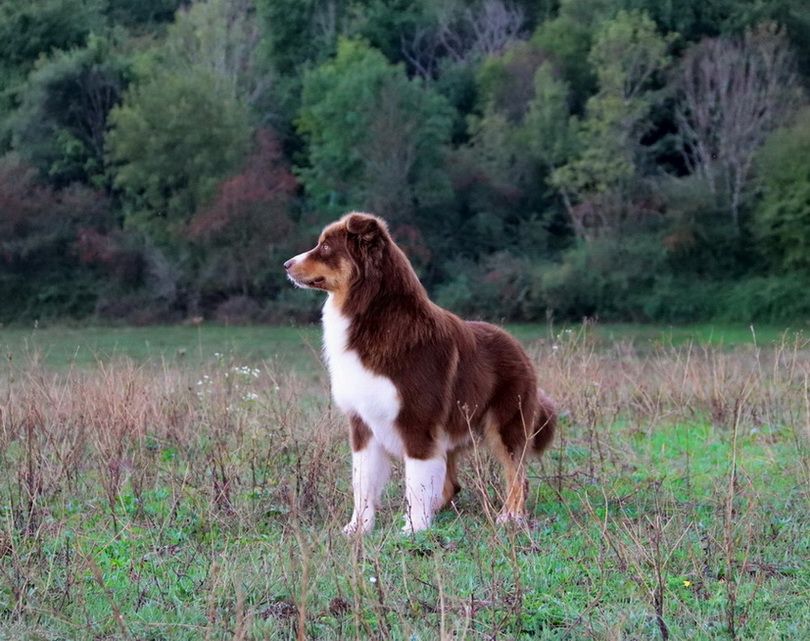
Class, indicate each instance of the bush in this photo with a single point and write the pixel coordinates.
(41, 269)
(608, 277)
(782, 220)
(237, 310)
(498, 288)
(768, 299)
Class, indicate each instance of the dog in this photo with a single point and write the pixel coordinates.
(416, 382)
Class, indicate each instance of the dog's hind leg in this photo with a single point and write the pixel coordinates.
(510, 445)
(451, 485)
(546, 423)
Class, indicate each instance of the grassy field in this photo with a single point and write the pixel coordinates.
(299, 347)
(190, 483)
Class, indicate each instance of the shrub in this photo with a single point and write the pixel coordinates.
(767, 299)
(42, 271)
(608, 277)
(782, 219)
(497, 288)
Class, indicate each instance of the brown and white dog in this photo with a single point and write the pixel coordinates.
(416, 382)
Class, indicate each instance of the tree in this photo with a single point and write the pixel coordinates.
(61, 123)
(219, 37)
(505, 81)
(503, 203)
(733, 92)
(36, 27)
(299, 31)
(246, 229)
(565, 42)
(42, 273)
(142, 13)
(28, 29)
(375, 138)
(597, 184)
(170, 142)
(782, 218)
(549, 137)
(460, 32)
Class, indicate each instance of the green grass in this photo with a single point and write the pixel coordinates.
(168, 565)
(61, 346)
(175, 345)
(196, 500)
(646, 336)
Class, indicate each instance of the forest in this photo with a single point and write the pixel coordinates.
(632, 160)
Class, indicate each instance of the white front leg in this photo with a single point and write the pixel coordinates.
(370, 471)
(424, 483)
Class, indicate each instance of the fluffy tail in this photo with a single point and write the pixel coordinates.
(546, 422)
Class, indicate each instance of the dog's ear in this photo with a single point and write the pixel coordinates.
(365, 227)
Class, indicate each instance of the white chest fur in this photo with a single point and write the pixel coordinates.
(356, 389)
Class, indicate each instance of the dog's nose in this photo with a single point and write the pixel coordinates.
(289, 263)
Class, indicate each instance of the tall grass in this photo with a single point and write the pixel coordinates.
(171, 502)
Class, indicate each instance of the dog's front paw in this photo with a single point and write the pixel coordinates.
(508, 516)
(358, 526)
(412, 526)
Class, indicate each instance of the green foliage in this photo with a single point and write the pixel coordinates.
(170, 141)
(782, 218)
(62, 120)
(693, 19)
(41, 269)
(499, 287)
(567, 42)
(490, 133)
(607, 277)
(374, 136)
(627, 54)
(384, 23)
(291, 34)
(142, 13)
(39, 27)
(547, 133)
(219, 37)
(501, 174)
(766, 298)
(505, 81)
(28, 29)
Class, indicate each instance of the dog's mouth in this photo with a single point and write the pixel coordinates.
(319, 282)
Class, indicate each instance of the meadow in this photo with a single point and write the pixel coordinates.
(187, 483)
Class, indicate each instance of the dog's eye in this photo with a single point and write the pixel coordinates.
(325, 248)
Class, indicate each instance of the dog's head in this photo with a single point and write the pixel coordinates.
(349, 251)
